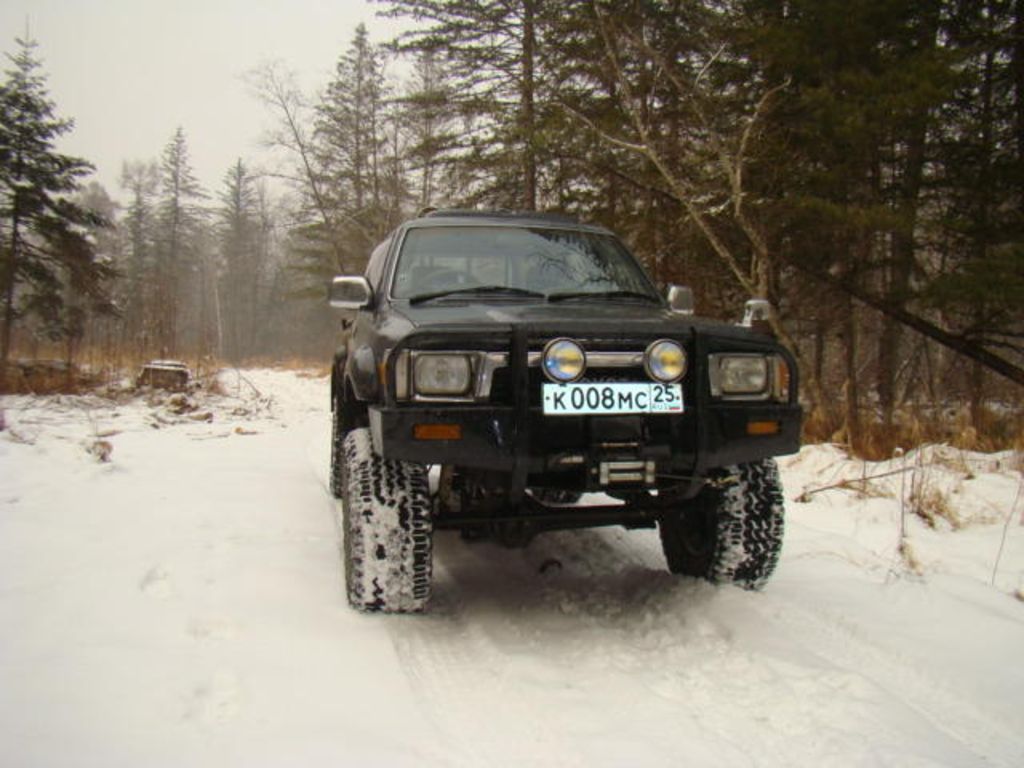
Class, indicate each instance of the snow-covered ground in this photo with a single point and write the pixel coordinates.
(181, 603)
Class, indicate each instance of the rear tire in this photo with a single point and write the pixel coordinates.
(386, 529)
(733, 535)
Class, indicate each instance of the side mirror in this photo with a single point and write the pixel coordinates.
(680, 299)
(349, 293)
(757, 315)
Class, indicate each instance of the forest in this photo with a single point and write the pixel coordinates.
(861, 165)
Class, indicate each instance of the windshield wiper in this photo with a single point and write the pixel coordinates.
(477, 290)
(603, 295)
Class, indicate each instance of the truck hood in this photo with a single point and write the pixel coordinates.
(572, 316)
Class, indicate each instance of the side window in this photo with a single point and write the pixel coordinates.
(375, 266)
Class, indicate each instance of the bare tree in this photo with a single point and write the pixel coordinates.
(276, 87)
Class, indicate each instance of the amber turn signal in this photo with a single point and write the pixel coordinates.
(763, 428)
(437, 431)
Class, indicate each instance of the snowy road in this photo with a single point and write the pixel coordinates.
(182, 604)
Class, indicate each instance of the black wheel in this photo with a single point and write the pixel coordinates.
(386, 529)
(688, 539)
(731, 535)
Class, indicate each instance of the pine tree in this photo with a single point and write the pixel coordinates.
(613, 184)
(492, 50)
(45, 242)
(103, 320)
(350, 122)
(142, 181)
(881, 137)
(240, 255)
(355, 144)
(430, 127)
(843, 164)
(981, 149)
(179, 221)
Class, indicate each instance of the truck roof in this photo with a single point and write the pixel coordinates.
(469, 217)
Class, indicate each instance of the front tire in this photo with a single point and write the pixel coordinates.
(337, 452)
(733, 535)
(386, 529)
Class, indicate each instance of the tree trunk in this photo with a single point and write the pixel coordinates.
(901, 268)
(904, 246)
(219, 324)
(9, 283)
(977, 396)
(527, 116)
(5, 341)
(1018, 81)
(819, 349)
(852, 420)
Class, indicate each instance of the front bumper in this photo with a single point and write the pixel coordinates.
(492, 438)
(516, 437)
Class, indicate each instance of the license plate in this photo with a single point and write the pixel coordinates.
(613, 398)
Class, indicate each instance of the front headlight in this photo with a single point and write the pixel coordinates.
(744, 376)
(665, 361)
(564, 361)
(439, 374)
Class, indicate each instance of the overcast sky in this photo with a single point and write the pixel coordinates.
(129, 72)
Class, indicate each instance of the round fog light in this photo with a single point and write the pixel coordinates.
(564, 361)
(665, 361)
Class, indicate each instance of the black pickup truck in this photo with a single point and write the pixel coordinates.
(507, 374)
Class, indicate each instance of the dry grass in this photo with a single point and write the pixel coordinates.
(995, 430)
(46, 377)
(819, 426)
(926, 499)
(37, 368)
(932, 505)
(862, 488)
(910, 558)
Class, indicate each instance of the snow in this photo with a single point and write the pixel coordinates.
(181, 603)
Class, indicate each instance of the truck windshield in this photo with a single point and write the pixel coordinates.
(533, 262)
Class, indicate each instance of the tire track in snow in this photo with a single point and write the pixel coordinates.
(513, 667)
(465, 685)
(665, 635)
(528, 684)
(838, 640)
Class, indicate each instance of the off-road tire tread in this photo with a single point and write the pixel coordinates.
(751, 523)
(386, 529)
(747, 522)
(337, 453)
